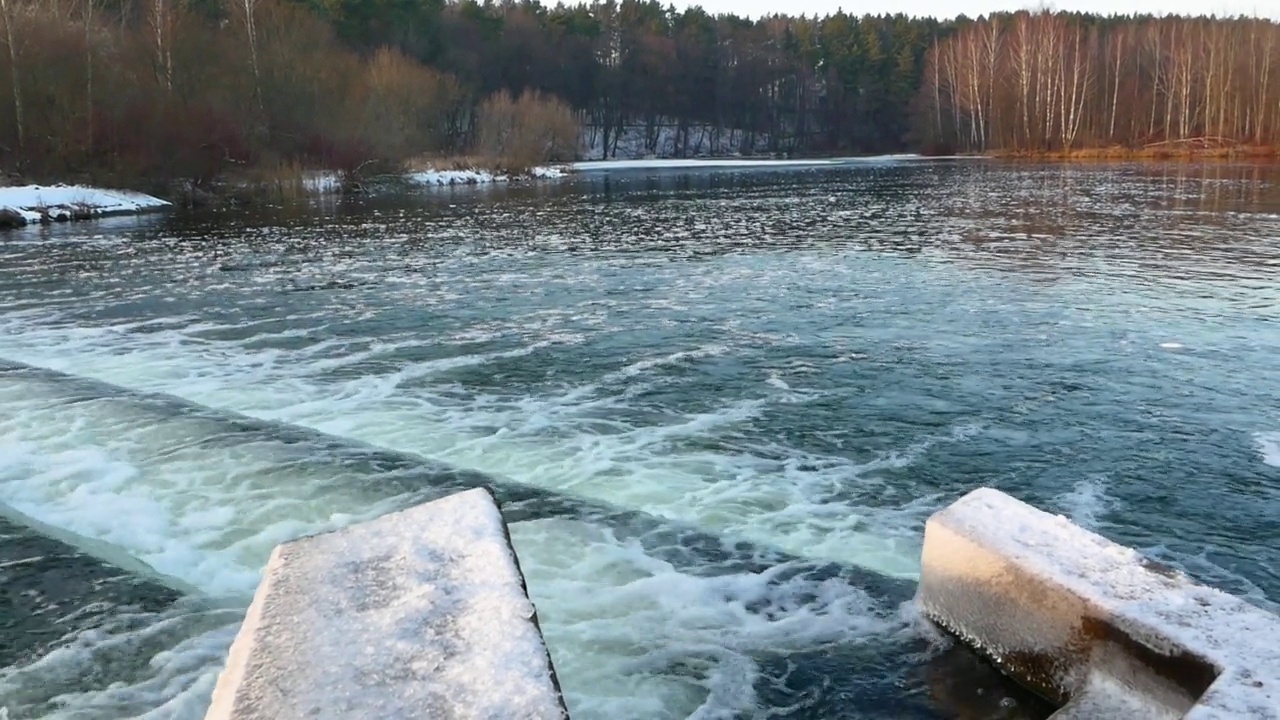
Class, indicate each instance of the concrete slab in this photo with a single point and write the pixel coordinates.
(1092, 625)
(422, 613)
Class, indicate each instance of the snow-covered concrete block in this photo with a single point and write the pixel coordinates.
(1090, 624)
(422, 613)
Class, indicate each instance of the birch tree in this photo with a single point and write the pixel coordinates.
(10, 41)
(1057, 82)
(248, 9)
(160, 21)
(90, 17)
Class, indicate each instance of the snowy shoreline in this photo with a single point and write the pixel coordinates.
(442, 178)
(36, 204)
(445, 178)
(330, 182)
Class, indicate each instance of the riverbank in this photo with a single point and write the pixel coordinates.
(24, 205)
(333, 182)
(39, 204)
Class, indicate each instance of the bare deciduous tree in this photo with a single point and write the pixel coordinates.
(1060, 82)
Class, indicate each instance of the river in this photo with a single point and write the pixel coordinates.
(806, 361)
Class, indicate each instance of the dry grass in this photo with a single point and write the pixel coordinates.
(525, 131)
(424, 163)
(284, 179)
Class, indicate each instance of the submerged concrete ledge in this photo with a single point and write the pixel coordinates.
(422, 613)
(1092, 625)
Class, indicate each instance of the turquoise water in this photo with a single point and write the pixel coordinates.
(810, 361)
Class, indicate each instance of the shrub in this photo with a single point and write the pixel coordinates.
(405, 106)
(520, 133)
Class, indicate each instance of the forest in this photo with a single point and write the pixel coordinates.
(197, 88)
(1037, 83)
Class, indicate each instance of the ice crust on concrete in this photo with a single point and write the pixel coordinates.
(1091, 623)
(422, 613)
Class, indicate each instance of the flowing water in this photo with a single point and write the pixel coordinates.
(722, 405)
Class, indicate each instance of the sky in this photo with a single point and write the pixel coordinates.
(974, 8)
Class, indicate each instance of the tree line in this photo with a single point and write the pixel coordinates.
(192, 88)
(1043, 82)
(790, 85)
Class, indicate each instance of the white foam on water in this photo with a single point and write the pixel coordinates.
(822, 507)
(642, 366)
(1172, 345)
(105, 551)
(632, 636)
(1087, 502)
(1269, 447)
(682, 645)
(84, 467)
(777, 382)
(171, 661)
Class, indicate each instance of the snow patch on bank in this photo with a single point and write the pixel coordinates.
(443, 178)
(549, 172)
(36, 203)
(456, 177)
